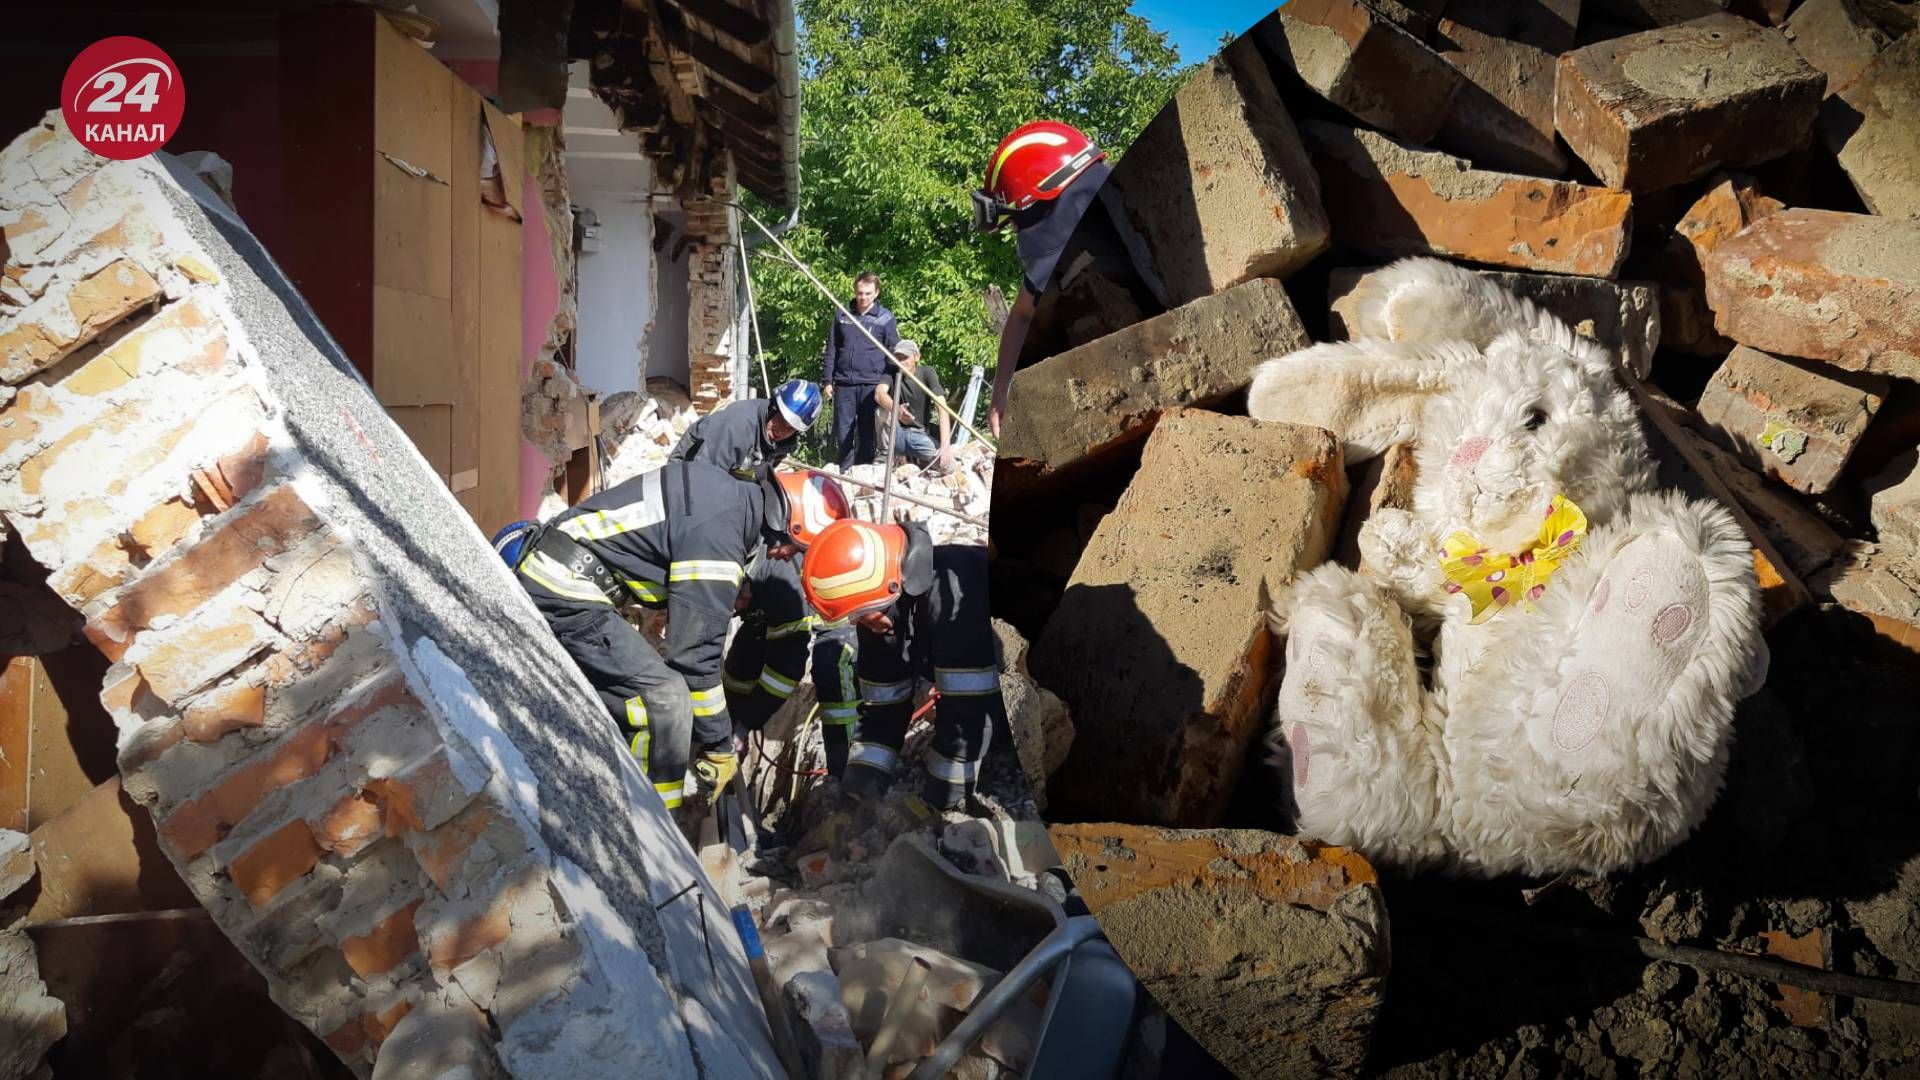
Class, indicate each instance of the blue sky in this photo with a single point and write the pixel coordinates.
(1195, 26)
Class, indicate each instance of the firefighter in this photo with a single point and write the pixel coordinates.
(748, 435)
(921, 610)
(770, 651)
(1041, 179)
(679, 538)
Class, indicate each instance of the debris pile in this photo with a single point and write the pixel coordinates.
(967, 488)
(1724, 196)
(638, 429)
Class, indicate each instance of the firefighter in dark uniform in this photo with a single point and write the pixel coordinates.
(921, 610)
(770, 650)
(758, 433)
(679, 538)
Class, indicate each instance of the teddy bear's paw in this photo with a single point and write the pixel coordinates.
(1643, 622)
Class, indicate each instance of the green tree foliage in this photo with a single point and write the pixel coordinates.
(902, 102)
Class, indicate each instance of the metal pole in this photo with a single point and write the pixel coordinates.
(906, 498)
(893, 440)
(837, 306)
(1052, 949)
(753, 311)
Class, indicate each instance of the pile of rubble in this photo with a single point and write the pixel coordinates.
(967, 488)
(1725, 194)
(638, 428)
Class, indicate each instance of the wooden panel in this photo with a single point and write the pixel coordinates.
(499, 355)
(412, 348)
(430, 427)
(509, 141)
(100, 857)
(74, 741)
(465, 270)
(16, 726)
(413, 112)
(412, 226)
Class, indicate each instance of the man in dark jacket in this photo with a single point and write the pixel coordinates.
(678, 538)
(748, 436)
(853, 367)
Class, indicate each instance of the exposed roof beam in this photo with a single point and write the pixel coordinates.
(744, 27)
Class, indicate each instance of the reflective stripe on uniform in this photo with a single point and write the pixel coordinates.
(708, 702)
(839, 712)
(824, 625)
(706, 570)
(942, 767)
(649, 509)
(642, 742)
(738, 686)
(953, 681)
(875, 693)
(772, 682)
(649, 592)
(873, 755)
(673, 793)
(788, 629)
(554, 576)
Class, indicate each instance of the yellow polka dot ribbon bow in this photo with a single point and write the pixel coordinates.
(1494, 582)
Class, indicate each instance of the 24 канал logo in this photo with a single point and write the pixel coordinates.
(123, 97)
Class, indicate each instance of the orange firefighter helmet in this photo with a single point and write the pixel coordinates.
(854, 567)
(814, 501)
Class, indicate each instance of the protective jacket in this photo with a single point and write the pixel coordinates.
(734, 438)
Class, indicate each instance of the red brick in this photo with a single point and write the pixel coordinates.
(235, 547)
(1352, 55)
(275, 862)
(1389, 199)
(196, 825)
(212, 715)
(174, 338)
(1686, 322)
(385, 946)
(160, 528)
(1502, 117)
(424, 794)
(1821, 285)
(32, 409)
(201, 651)
(353, 824)
(1652, 110)
(442, 852)
(229, 479)
(1794, 421)
(1837, 38)
(97, 302)
(107, 567)
(1873, 128)
(452, 943)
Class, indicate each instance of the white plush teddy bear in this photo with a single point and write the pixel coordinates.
(1590, 633)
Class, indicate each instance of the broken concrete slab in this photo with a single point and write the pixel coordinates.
(1795, 421)
(1160, 645)
(16, 862)
(32, 1020)
(1872, 125)
(1217, 188)
(1389, 199)
(1660, 108)
(547, 897)
(1624, 316)
(1894, 497)
(1087, 403)
(1874, 582)
(1837, 38)
(1822, 285)
(1351, 53)
(1686, 322)
(1271, 951)
(1502, 116)
(871, 972)
(828, 1045)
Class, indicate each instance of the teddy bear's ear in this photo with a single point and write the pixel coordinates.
(1370, 393)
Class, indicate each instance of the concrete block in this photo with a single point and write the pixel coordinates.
(1837, 38)
(1660, 108)
(1353, 55)
(33, 1019)
(1547, 25)
(1042, 729)
(1792, 420)
(1805, 540)
(1872, 125)
(824, 1029)
(870, 971)
(1624, 316)
(1821, 285)
(16, 861)
(1087, 403)
(1160, 645)
(1894, 500)
(1280, 953)
(1502, 116)
(1652, 13)
(1686, 322)
(1389, 199)
(1876, 583)
(1217, 187)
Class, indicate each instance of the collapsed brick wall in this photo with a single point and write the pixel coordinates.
(360, 746)
(712, 291)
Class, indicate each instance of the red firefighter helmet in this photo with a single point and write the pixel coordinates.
(814, 502)
(1034, 163)
(854, 567)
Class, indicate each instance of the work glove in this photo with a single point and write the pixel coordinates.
(716, 769)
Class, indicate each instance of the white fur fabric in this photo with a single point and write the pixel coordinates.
(1589, 733)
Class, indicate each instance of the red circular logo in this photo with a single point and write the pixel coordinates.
(123, 97)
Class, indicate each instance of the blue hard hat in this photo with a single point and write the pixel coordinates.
(511, 541)
(799, 402)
